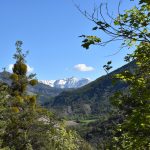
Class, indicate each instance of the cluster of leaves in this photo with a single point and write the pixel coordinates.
(107, 67)
(25, 125)
(134, 132)
(89, 40)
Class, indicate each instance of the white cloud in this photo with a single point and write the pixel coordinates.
(83, 67)
(10, 67)
(29, 69)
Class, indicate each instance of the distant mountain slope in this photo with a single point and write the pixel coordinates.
(4, 77)
(45, 92)
(46, 89)
(90, 99)
(67, 82)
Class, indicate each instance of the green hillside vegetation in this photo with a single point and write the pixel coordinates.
(91, 100)
(98, 133)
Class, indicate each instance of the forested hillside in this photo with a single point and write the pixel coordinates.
(92, 99)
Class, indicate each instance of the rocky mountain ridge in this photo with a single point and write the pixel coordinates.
(66, 83)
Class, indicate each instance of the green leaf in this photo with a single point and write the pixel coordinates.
(95, 28)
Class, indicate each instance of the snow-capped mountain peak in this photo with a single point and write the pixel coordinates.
(72, 82)
(48, 82)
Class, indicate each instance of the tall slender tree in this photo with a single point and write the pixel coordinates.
(22, 107)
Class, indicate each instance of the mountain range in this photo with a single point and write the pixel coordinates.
(66, 99)
(91, 99)
(66, 83)
(47, 89)
(44, 92)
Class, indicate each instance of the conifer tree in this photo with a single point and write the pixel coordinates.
(22, 107)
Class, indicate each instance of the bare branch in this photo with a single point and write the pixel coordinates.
(122, 31)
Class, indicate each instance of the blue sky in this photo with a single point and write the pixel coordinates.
(49, 29)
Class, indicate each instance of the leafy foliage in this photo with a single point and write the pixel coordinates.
(132, 28)
(135, 130)
(89, 40)
(3, 109)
